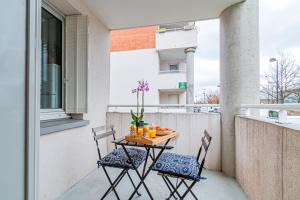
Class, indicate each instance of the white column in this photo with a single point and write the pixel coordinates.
(239, 71)
(190, 74)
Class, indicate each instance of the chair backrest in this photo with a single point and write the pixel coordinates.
(100, 133)
(205, 143)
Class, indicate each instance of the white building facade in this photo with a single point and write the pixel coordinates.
(164, 66)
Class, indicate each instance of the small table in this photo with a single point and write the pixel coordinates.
(147, 143)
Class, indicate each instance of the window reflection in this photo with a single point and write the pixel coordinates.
(51, 60)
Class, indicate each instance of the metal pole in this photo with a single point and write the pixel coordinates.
(277, 83)
(268, 93)
(268, 89)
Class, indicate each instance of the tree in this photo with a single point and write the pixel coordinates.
(288, 78)
(213, 97)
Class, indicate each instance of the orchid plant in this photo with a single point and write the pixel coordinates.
(143, 86)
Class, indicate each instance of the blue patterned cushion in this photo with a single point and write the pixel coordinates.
(118, 158)
(178, 165)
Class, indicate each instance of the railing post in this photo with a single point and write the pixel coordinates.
(282, 116)
(245, 111)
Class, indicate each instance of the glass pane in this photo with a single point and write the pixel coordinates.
(51, 59)
(174, 67)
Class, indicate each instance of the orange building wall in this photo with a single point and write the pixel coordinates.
(133, 39)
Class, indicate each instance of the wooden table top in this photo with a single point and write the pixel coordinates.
(151, 141)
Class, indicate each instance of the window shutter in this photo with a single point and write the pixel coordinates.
(76, 64)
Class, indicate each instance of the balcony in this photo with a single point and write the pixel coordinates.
(171, 44)
(177, 39)
(261, 155)
(170, 79)
(93, 186)
(266, 158)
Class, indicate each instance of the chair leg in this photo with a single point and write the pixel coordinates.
(189, 189)
(175, 189)
(133, 183)
(113, 184)
(142, 178)
(168, 186)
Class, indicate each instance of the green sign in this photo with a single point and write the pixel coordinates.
(182, 85)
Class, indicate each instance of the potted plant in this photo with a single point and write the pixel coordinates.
(137, 117)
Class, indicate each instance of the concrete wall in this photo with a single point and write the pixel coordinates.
(12, 102)
(176, 39)
(189, 126)
(67, 156)
(172, 98)
(239, 70)
(267, 159)
(127, 67)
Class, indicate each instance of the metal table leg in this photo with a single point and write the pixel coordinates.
(142, 178)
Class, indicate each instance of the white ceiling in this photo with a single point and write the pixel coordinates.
(117, 14)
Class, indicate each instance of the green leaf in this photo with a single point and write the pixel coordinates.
(133, 116)
(142, 114)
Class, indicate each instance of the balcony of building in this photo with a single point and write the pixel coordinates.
(266, 154)
(172, 40)
(176, 36)
(88, 187)
(250, 156)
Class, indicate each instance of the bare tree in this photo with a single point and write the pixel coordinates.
(288, 78)
(296, 93)
(213, 97)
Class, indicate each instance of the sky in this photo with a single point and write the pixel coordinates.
(279, 32)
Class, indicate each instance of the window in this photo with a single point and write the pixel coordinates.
(51, 60)
(64, 53)
(52, 65)
(174, 67)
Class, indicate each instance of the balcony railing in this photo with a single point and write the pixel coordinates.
(189, 125)
(256, 110)
(184, 28)
(171, 71)
(282, 109)
(167, 108)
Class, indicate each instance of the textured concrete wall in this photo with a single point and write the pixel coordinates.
(67, 156)
(267, 159)
(179, 39)
(239, 70)
(189, 126)
(291, 164)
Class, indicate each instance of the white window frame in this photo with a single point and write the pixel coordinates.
(52, 114)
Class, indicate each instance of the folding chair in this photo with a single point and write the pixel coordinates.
(117, 159)
(183, 167)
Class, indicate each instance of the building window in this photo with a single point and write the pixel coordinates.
(52, 64)
(174, 67)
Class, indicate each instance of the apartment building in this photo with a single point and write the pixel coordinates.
(42, 155)
(162, 55)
